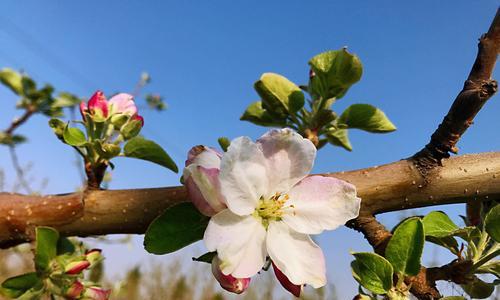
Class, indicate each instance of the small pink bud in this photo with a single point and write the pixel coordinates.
(97, 293)
(83, 109)
(286, 283)
(97, 105)
(201, 178)
(75, 290)
(228, 282)
(76, 267)
(93, 256)
(138, 118)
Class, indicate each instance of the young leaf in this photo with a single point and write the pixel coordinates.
(12, 80)
(438, 224)
(453, 298)
(404, 249)
(141, 148)
(372, 271)
(366, 117)
(334, 73)
(492, 223)
(448, 242)
(224, 143)
(14, 287)
(478, 289)
(74, 136)
(64, 245)
(259, 116)
(46, 247)
(279, 95)
(207, 257)
(178, 227)
(339, 137)
(490, 268)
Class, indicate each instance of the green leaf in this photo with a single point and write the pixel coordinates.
(339, 137)
(224, 143)
(447, 242)
(207, 257)
(404, 249)
(492, 267)
(279, 95)
(478, 289)
(58, 127)
(469, 233)
(178, 227)
(453, 298)
(334, 73)
(12, 79)
(141, 148)
(65, 99)
(15, 139)
(438, 224)
(366, 117)
(259, 116)
(372, 271)
(46, 247)
(64, 245)
(74, 136)
(14, 287)
(492, 223)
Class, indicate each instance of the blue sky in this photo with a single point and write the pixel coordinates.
(204, 56)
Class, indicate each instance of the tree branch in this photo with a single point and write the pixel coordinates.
(390, 187)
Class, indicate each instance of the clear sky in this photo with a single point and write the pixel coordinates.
(204, 56)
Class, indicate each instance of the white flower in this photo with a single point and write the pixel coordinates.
(272, 207)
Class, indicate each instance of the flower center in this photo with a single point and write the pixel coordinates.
(271, 209)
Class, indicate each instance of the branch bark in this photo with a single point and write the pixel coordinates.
(390, 187)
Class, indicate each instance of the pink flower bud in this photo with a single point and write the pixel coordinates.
(93, 256)
(228, 282)
(201, 178)
(97, 293)
(138, 118)
(76, 267)
(97, 106)
(75, 290)
(286, 283)
(123, 103)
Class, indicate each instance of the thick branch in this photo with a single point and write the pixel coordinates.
(478, 88)
(385, 188)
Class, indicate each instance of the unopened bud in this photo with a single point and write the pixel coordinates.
(76, 267)
(93, 256)
(75, 290)
(228, 282)
(294, 289)
(96, 293)
(131, 128)
(118, 120)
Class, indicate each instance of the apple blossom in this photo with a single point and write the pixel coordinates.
(272, 207)
(122, 103)
(201, 177)
(228, 282)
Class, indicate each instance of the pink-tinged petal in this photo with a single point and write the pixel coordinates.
(98, 105)
(75, 290)
(296, 255)
(289, 157)
(208, 205)
(228, 282)
(243, 176)
(294, 289)
(204, 156)
(97, 293)
(320, 203)
(83, 109)
(239, 242)
(76, 267)
(123, 103)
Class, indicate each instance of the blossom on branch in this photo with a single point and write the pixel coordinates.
(272, 206)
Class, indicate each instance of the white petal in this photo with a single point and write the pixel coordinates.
(243, 176)
(239, 242)
(290, 158)
(296, 255)
(321, 203)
